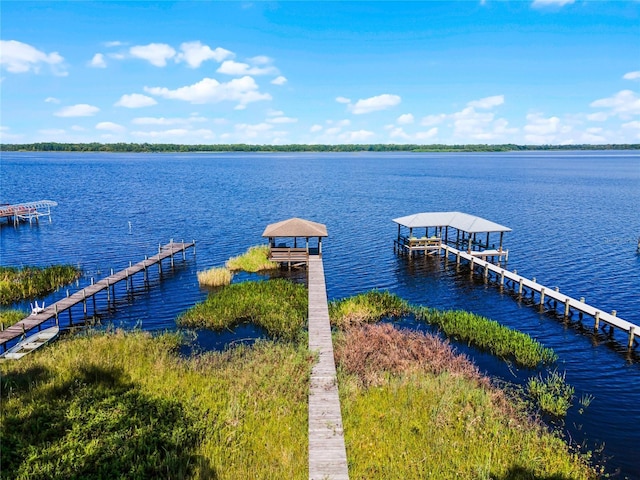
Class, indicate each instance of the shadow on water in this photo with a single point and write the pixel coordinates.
(203, 340)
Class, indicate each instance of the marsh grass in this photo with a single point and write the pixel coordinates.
(366, 308)
(413, 409)
(105, 406)
(551, 393)
(255, 259)
(488, 335)
(215, 277)
(29, 283)
(279, 306)
(10, 317)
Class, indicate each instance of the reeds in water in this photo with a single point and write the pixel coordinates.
(365, 308)
(255, 259)
(10, 317)
(278, 305)
(29, 283)
(551, 393)
(215, 277)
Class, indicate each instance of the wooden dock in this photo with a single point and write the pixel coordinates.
(327, 452)
(27, 212)
(545, 295)
(89, 292)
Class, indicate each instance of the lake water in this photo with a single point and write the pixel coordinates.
(575, 218)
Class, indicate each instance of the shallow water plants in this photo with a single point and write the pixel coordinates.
(255, 259)
(278, 305)
(29, 283)
(215, 277)
(488, 335)
(551, 393)
(9, 317)
(366, 307)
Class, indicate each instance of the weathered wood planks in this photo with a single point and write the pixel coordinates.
(327, 452)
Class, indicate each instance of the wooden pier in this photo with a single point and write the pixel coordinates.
(545, 295)
(327, 452)
(28, 211)
(88, 293)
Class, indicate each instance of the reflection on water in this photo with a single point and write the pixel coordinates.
(574, 217)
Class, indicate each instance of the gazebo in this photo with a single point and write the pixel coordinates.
(469, 233)
(281, 234)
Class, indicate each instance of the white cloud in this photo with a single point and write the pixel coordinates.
(538, 125)
(315, 128)
(398, 132)
(597, 117)
(624, 104)
(231, 67)
(250, 131)
(282, 120)
(432, 132)
(156, 54)
(79, 110)
(98, 61)
(374, 104)
(430, 120)
(275, 113)
(183, 134)
(110, 127)
(405, 119)
(135, 100)
(18, 57)
(114, 44)
(280, 80)
(194, 53)
(167, 121)
(632, 75)
(78, 128)
(51, 100)
(355, 136)
(242, 90)
(549, 3)
(487, 102)
(343, 100)
(634, 124)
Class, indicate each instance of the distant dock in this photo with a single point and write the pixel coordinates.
(89, 293)
(27, 212)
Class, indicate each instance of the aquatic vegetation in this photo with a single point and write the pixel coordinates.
(488, 335)
(255, 259)
(417, 411)
(9, 317)
(278, 305)
(29, 283)
(215, 277)
(366, 307)
(552, 393)
(121, 405)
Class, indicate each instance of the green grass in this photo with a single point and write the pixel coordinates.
(427, 414)
(552, 393)
(125, 406)
(279, 306)
(29, 283)
(215, 277)
(9, 317)
(255, 259)
(366, 307)
(488, 335)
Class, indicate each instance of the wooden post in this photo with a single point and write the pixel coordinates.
(56, 312)
(502, 278)
(486, 272)
(84, 301)
(566, 307)
(472, 266)
(126, 278)
(194, 248)
(70, 319)
(520, 286)
(631, 335)
(501, 237)
(458, 257)
(184, 251)
(614, 313)
(542, 297)
(108, 294)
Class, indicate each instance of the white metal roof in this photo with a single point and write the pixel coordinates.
(461, 221)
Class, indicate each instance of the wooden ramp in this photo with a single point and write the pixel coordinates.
(327, 452)
(81, 296)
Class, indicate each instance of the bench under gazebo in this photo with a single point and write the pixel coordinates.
(471, 234)
(292, 241)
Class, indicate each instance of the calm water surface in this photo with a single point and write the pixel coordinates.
(575, 218)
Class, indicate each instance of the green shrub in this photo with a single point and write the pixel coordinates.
(366, 307)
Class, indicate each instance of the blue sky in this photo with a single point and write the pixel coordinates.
(534, 72)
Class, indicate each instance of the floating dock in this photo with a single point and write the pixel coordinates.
(27, 212)
(545, 295)
(88, 293)
(327, 451)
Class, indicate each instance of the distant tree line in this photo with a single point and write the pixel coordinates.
(241, 147)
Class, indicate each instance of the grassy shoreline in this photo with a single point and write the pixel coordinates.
(28, 283)
(127, 405)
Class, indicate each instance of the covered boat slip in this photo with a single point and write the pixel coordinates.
(460, 230)
(292, 241)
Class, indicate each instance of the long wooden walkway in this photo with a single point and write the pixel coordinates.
(327, 452)
(545, 294)
(81, 296)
